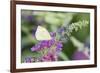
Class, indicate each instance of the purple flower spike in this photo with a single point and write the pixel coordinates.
(36, 48)
(53, 47)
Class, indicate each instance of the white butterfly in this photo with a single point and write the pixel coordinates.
(42, 34)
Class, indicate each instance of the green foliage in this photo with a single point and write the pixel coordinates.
(77, 25)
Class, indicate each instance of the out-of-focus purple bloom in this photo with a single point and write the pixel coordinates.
(30, 18)
(28, 60)
(79, 55)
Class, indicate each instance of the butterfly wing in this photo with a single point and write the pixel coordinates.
(42, 34)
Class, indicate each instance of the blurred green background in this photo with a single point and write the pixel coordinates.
(52, 21)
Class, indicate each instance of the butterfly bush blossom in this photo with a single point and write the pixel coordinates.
(50, 49)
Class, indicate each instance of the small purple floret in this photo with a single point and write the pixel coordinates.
(49, 57)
